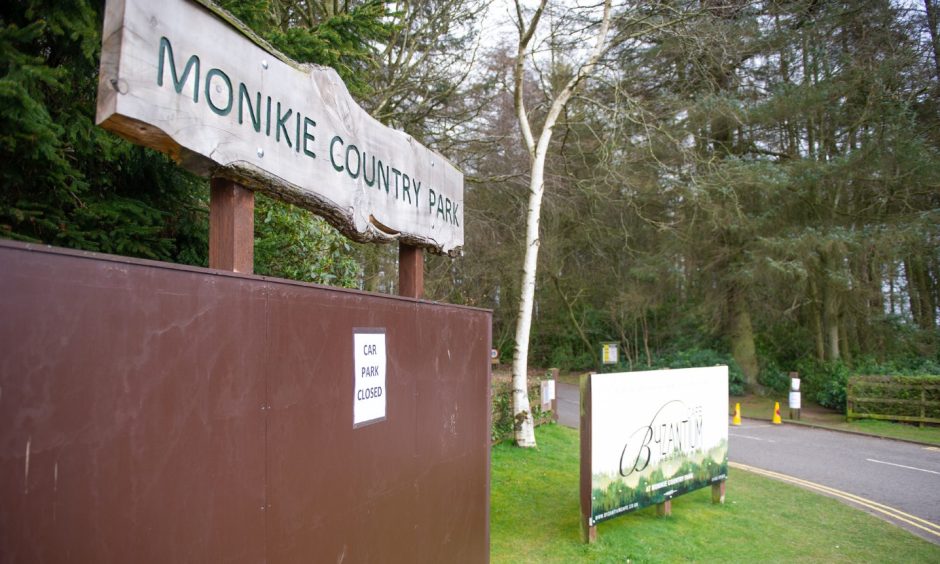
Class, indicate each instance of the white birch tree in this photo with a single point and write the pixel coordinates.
(537, 148)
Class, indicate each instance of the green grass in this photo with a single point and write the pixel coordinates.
(534, 518)
(760, 407)
(926, 434)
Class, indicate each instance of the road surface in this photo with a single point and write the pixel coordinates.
(894, 480)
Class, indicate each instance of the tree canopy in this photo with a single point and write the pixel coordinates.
(758, 180)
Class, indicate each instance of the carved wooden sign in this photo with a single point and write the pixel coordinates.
(186, 78)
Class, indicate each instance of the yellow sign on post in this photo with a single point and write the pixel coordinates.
(609, 353)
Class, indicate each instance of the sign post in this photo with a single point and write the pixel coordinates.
(795, 399)
(609, 353)
(588, 525)
(231, 226)
(547, 388)
(410, 271)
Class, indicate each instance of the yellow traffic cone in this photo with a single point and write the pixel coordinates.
(777, 420)
(736, 420)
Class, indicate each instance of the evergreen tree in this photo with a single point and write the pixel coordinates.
(64, 181)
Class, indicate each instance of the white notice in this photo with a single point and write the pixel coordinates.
(368, 376)
(795, 400)
(548, 394)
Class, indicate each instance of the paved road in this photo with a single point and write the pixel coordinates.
(569, 402)
(894, 480)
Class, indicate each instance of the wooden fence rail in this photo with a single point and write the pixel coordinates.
(913, 399)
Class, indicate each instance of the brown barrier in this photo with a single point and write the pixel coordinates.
(160, 413)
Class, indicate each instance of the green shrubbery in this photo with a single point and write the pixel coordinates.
(825, 382)
(774, 378)
(901, 397)
(690, 358)
(564, 359)
(695, 357)
(504, 423)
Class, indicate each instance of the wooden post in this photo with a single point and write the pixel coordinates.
(231, 226)
(588, 528)
(410, 271)
(664, 509)
(923, 404)
(793, 376)
(589, 534)
(553, 374)
(718, 492)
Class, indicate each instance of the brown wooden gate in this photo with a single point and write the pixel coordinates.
(159, 413)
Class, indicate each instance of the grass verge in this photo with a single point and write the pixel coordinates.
(760, 407)
(534, 518)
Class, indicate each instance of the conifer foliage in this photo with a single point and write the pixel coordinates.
(64, 181)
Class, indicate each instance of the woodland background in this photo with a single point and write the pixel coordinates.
(750, 182)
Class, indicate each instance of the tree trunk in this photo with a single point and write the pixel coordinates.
(932, 19)
(831, 321)
(646, 342)
(371, 268)
(742, 340)
(933, 277)
(538, 151)
(844, 341)
(817, 316)
(636, 339)
(525, 426)
(913, 295)
(891, 271)
(876, 285)
(927, 296)
(569, 306)
(624, 340)
(807, 80)
(921, 293)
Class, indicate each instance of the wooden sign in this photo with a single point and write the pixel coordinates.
(186, 78)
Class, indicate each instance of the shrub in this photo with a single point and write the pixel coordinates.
(825, 382)
(504, 423)
(902, 366)
(695, 357)
(563, 358)
(897, 396)
(774, 378)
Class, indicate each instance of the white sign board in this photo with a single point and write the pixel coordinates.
(369, 389)
(188, 79)
(655, 435)
(609, 353)
(795, 400)
(548, 394)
